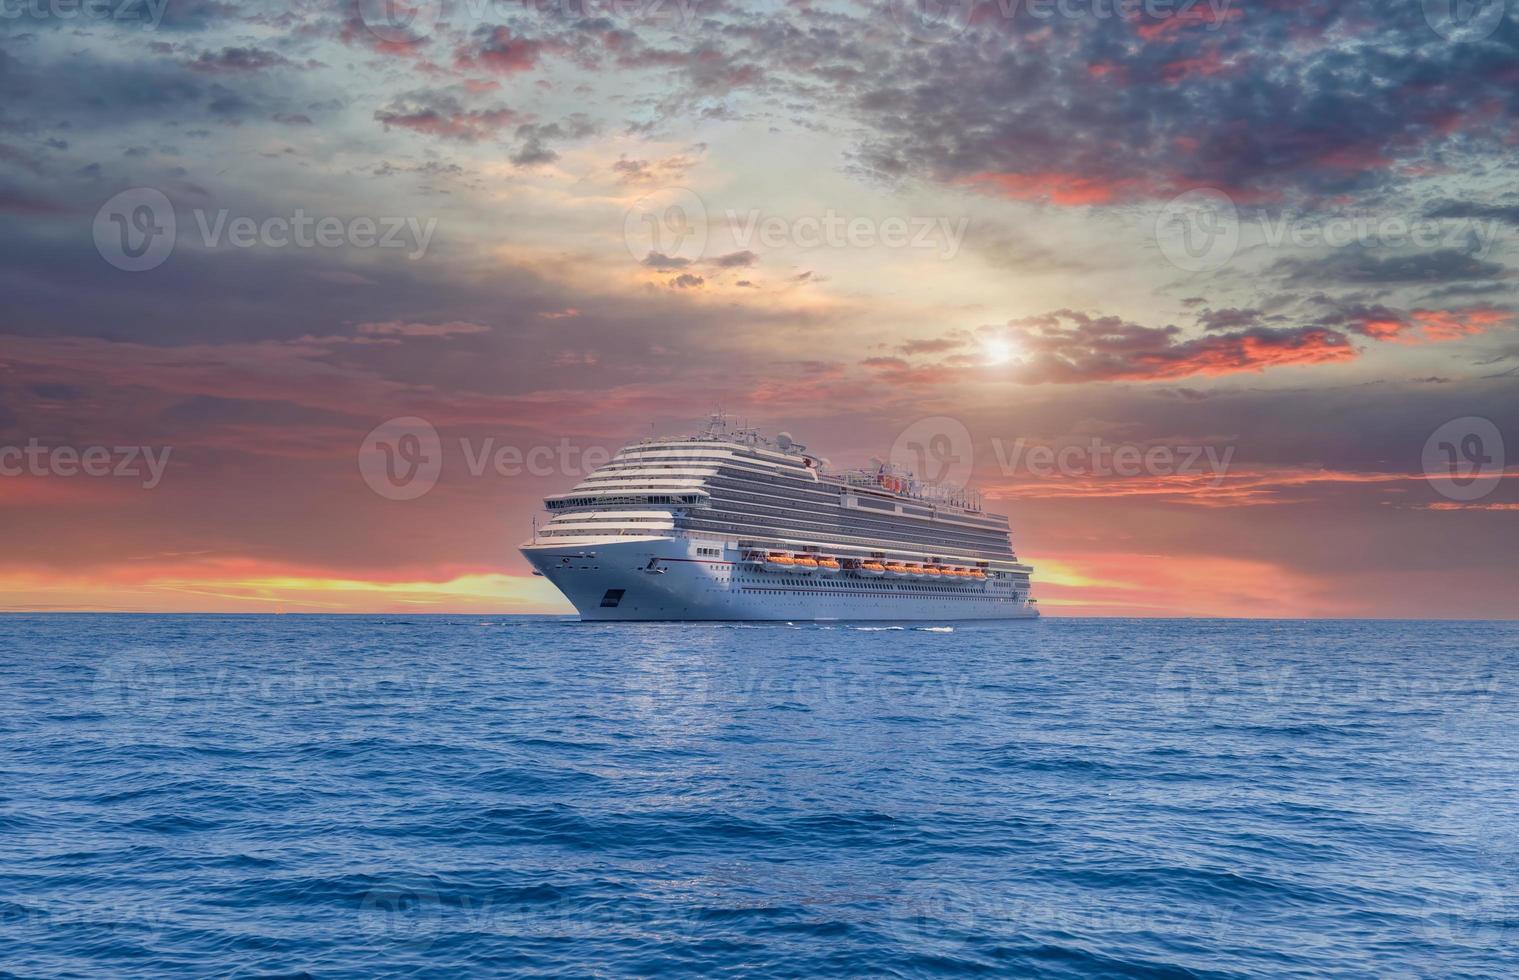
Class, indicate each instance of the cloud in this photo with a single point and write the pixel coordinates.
(668, 170)
(937, 345)
(1506, 213)
(1068, 346)
(440, 115)
(736, 260)
(397, 328)
(1363, 266)
(1071, 111)
(664, 263)
(237, 59)
(535, 138)
(1228, 319)
(1380, 322)
(499, 51)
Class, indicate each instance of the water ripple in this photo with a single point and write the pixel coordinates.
(445, 795)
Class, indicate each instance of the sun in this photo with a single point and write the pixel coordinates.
(997, 352)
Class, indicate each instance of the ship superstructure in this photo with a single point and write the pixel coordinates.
(729, 525)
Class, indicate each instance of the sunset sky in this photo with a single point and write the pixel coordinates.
(1278, 234)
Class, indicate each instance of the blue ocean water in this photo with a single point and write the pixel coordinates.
(352, 796)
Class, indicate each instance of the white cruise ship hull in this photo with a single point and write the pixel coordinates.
(680, 578)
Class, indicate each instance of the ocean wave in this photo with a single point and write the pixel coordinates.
(1105, 799)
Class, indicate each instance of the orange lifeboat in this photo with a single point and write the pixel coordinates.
(896, 569)
(873, 568)
(778, 563)
(804, 564)
(828, 566)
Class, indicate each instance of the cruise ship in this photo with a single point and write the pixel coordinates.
(729, 525)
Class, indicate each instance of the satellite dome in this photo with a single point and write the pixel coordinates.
(784, 440)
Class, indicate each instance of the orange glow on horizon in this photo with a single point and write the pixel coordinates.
(487, 593)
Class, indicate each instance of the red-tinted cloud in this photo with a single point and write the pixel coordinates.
(447, 120)
(500, 52)
(1065, 188)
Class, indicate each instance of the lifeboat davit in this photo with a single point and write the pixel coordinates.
(873, 568)
(828, 566)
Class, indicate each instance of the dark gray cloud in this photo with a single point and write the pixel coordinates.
(535, 139)
(1506, 213)
(1357, 265)
(231, 60)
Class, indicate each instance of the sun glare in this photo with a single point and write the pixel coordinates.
(997, 352)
